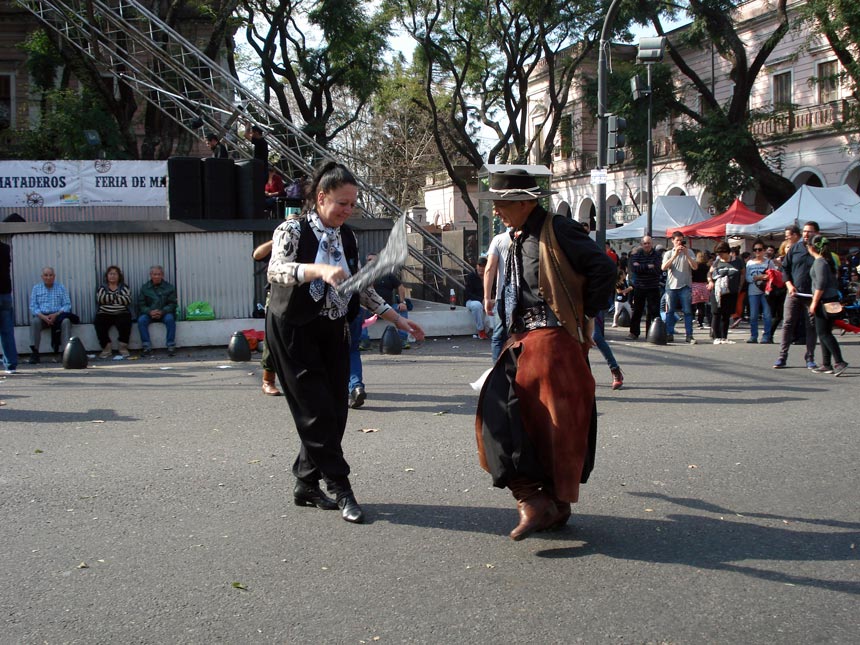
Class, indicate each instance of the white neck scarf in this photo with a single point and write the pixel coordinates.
(329, 251)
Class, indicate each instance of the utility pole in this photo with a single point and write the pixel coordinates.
(650, 52)
(602, 132)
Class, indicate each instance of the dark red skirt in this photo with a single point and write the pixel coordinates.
(536, 415)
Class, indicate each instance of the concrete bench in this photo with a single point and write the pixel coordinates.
(436, 321)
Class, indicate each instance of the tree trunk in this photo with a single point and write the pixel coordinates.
(775, 188)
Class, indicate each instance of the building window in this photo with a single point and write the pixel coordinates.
(538, 151)
(564, 145)
(7, 101)
(111, 81)
(828, 81)
(781, 90)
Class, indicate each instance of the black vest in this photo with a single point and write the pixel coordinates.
(294, 304)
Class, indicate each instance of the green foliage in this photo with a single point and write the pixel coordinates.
(708, 150)
(401, 84)
(640, 12)
(60, 132)
(43, 59)
(351, 48)
(717, 146)
(320, 62)
(399, 150)
(479, 58)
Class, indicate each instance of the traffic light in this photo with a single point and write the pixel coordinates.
(615, 139)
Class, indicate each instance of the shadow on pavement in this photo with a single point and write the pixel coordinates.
(714, 543)
(701, 505)
(718, 543)
(63, 416)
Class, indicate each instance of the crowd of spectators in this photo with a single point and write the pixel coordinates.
(718, 289)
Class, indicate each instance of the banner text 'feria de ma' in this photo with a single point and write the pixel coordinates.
(101, 182)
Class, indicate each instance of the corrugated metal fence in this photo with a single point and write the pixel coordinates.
(213, 266)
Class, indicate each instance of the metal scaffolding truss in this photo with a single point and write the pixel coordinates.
(126, 40)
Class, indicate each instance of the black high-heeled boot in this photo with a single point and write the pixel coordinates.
(305, 494)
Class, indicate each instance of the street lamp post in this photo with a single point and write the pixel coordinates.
(602, 132)
(650, 52)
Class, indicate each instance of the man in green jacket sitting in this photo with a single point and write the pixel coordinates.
(156, 302)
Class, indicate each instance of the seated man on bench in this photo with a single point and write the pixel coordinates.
(156, 302)
(50, 308)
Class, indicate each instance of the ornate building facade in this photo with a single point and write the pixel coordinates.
(801, 135)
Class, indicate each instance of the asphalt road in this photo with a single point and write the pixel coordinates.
(137, 494)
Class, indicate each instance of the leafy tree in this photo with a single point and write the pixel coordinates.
(396, 150)
(718, 146)
(620, 101)
(60, 133)
(161, 137)
(708, 151)
(43, 59)
(479, 58)
(314, 54)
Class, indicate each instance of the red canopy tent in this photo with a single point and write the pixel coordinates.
(715, 227)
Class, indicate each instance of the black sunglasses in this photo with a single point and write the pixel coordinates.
(758, 248)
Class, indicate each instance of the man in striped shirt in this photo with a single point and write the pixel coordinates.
(50, 308)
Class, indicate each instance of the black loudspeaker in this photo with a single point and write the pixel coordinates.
(250, 189)
(657, 332)
(219, 189)
(184, 188)
(390, 342)
(238, 348)
(74, 355)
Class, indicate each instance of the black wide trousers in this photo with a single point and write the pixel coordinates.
(312, 362)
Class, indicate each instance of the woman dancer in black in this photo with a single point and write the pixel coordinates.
(307, 331)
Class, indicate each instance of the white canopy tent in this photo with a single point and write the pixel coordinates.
(836, 209)
(670, 212)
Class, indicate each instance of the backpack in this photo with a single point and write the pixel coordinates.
(775, 280)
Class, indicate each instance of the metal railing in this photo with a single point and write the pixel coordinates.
(813, 118)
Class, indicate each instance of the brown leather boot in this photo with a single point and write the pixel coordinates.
(536, 514)
(537, 509)
(269, 387)
(561, 512)
(562, 515)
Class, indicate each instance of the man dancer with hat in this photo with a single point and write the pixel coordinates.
(536, 424)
